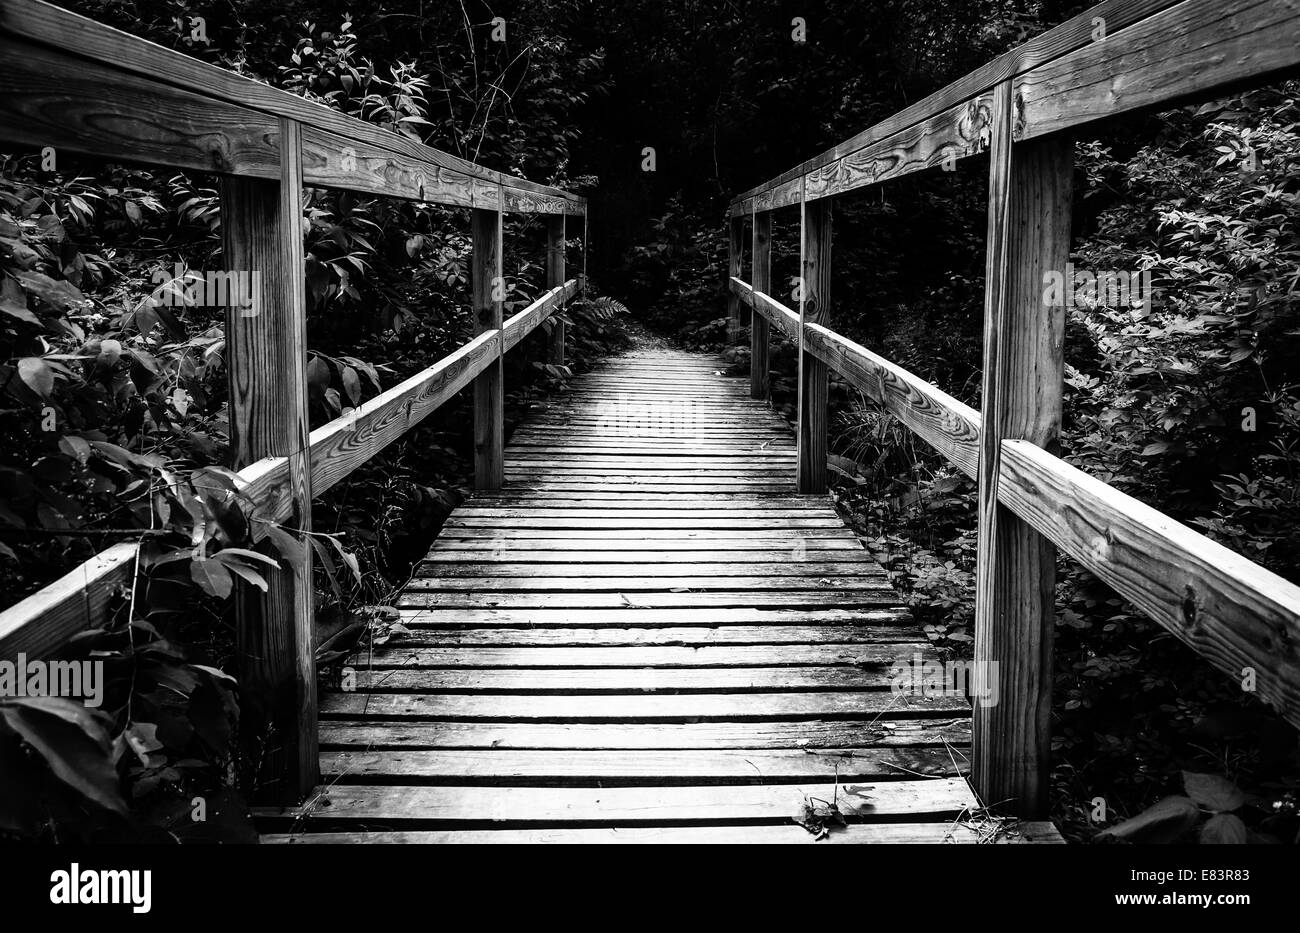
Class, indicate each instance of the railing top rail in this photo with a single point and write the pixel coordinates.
(383, 160)
(1064, 77)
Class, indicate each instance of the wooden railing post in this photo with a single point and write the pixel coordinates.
(760, 281)
(554, 278)
(1028, 235)
(489, 386)
(266, 360)
(735, 258)
(814, 308)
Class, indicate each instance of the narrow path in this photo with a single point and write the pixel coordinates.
(646, 636)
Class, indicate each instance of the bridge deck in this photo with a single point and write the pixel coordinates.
(646, 636)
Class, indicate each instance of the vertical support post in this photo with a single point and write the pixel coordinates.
(555, 278)
(583, 283)
(814, 308)
(1028, 235)
(761, 281)
(266, 361)
(735, 259)
(489, 386)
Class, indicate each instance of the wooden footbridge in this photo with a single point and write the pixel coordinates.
(650, 624)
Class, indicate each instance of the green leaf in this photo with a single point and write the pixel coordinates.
(290, 547)
(59, 294)
(1213, 791)
(348, 558)
(1224, 829)
(75, 447)
(74, 743)
(248, 573)
(237, 554)
(352, 385)
(1164, 821)
(37, 375)
(212, 577)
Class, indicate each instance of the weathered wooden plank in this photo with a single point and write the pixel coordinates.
(605, 681)
(646, 540)
(949, 832)
(695, 707)
(463, 568)
(1186, 52)
(548, 561)
(266, 359)
(40, 624)
(1015, 609)
(1077, 32)
(786, 321)
(824, 584)
(522, 324)
(132, 60)
(736, 767)
(1242, 618)
(681, 597)
(942, 139)
(488, 298)
(342, 445)
(951, 734)
(334, 161)
(814, 308)
(689, 625)
(48, 98)
(634, 524)
(949, 426)
(665, 656)
(398, 806)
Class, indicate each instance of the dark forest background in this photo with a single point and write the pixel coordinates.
(1188, 402)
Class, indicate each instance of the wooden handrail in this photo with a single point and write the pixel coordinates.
(1060, 80)
(76, 85)
(1118, 57)
(1229, 609)
(44, 621)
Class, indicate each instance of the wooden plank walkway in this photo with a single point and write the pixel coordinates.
(645, 637)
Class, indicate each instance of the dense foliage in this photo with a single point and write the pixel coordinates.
(115, 381)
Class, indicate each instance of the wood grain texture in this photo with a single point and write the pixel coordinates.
(950, 832)
(404, 806)
(48, 98)
(1228, 609)
(133, 60)
(949, 426)
(664, 635)
(334, 161)
(954, 134)
(786, 320)
(814, 308)
(1029, 236)
(759, 332)
(809, 736)
(555, 278)
(43, 622)
(523, 323)
(616, 768)
(1190, 51)
(1075, 33)
(488, 297)
(342, 445)
(266, 356)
